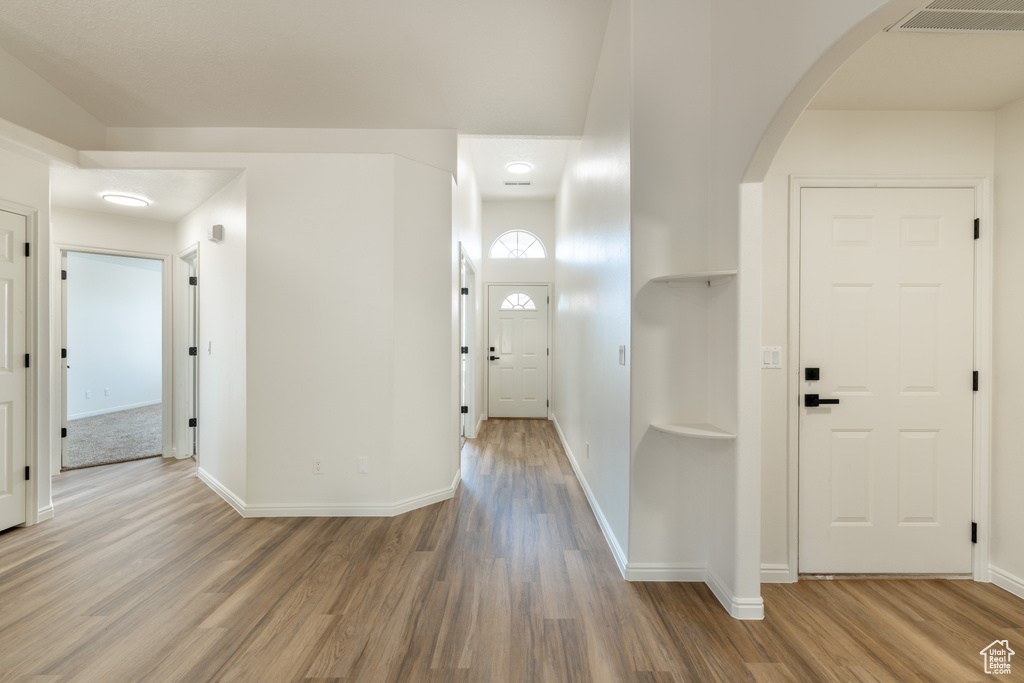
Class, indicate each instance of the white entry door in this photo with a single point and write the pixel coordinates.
(13, 458)
(517, 351)
(887, 319)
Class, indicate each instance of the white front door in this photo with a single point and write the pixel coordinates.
(887, 319)
(517, 351)
(13, 457)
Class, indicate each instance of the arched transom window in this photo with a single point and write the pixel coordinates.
(518, 244)
(517, 301)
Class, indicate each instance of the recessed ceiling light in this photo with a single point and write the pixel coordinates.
(124, 200)
(519, 167)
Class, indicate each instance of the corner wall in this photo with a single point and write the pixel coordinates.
(1006, 547)
(222, 349)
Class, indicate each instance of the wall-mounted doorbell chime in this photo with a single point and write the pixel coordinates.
(216, 233)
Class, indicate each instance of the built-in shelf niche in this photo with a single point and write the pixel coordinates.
(696, 430)
(705, 279)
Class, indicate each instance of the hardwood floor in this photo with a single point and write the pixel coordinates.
(146, 575)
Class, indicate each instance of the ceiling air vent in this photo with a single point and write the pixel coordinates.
(965, 16)
(514, 183)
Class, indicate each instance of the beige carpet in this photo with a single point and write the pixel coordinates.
(115, 437)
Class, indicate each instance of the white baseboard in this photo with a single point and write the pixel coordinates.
(602, 521)
(44, 514)
(391, 510)
(115, 409)
(1007, 581)
(685, 572)
(777, 573)
(738, 608)
(221, 490)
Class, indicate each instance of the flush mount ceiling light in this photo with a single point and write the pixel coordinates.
(125, 200)
(519, 167)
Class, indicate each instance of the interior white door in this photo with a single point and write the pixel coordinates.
(13, 457)
(517, 353)
(887, 318)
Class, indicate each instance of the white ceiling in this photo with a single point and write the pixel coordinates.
(490, 156)
(493, 68)
(929, 72)
(173, 194)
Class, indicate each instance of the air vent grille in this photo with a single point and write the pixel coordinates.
(965, 16)
(514, 183)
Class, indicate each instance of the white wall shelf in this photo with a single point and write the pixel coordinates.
(697, 430)
(695, 278)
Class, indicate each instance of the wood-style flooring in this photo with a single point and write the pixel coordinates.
(146, 575)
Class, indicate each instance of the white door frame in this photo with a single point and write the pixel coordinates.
(34, 458)
(468, 322)
(180, 326)
(166, 376)
(487, 328)
(983, 258)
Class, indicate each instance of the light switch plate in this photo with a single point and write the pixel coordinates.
(771, 357)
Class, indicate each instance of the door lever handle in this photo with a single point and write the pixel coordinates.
(812, 401)
(495, 357)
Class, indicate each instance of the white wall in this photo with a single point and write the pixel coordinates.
(536, 216)
(830, 143)
(346, 320)
(425, 418)
(77, 228)
(1007, 547)
(590, 399)
(669, 521)
(222, 323)
(115, 333)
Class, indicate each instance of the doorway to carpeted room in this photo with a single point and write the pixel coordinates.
(113, 373)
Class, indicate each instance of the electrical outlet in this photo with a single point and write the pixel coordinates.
(106, 392)
(88, 394)
(622, 355)
(364, 465)
(318, 466)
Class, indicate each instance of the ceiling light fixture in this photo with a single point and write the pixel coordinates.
(124, 200)
(519, 167)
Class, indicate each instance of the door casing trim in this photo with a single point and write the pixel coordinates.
(983, 278)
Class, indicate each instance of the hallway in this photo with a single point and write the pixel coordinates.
(146, 574)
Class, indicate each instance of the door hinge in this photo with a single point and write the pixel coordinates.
(974, 532)
(549, 352)
(193, 422)
(28, 473)
(28, 360)
(63, 353)
(975, 380)
(465, 410)
(977, 228)
(63, 275)
(63, 432)
(465, 349)
(193, 350)
(548, 403)
(465, 291)
(549, 299)
(193, 280)
(28, 249)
